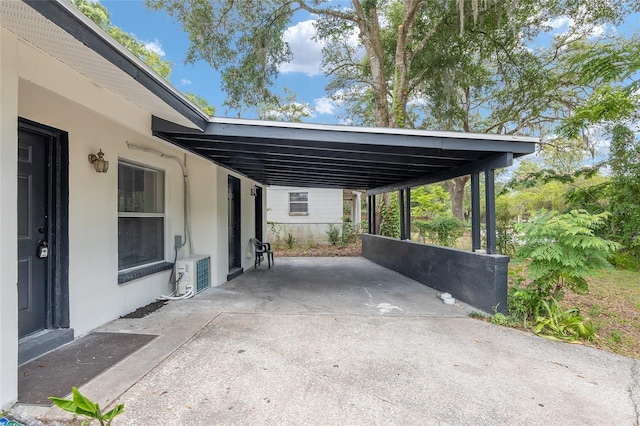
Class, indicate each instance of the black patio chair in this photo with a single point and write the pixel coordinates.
(262, 249)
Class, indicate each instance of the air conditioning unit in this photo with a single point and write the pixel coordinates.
(194, 272)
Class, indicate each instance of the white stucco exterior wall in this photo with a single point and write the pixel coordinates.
(8, 219)
(36, 87)
(325, 207)
(95, 296)
(247, 222)
(203, 176)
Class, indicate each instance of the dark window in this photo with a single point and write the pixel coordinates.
(298, 203)
(140, 215)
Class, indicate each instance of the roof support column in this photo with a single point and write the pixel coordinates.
(490, 195)
(403, 216)
(372, 214)
(407, 214)
(475, 212)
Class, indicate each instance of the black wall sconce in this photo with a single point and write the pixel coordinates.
(99, 163)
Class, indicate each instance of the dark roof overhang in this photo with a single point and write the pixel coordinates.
(329, 156)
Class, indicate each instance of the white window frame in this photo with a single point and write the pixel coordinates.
(298, 202)
(162, 214)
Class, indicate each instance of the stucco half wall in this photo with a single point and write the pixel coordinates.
(477, 279)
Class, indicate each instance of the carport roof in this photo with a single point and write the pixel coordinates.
(332, 156)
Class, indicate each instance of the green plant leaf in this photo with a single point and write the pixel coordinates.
(65, 404)
(109, 415)
(85, 404)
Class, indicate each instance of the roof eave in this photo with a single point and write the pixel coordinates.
(71, 20)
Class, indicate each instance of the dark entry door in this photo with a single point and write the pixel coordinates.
(32, 232)
(234, 223)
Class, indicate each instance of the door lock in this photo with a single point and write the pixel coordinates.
(43, 249)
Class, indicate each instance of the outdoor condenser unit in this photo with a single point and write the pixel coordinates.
(194, 271)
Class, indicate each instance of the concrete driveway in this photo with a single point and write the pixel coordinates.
(345, 341)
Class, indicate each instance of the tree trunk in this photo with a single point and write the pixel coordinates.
(370, 36)
(386, 200)
(456, 194)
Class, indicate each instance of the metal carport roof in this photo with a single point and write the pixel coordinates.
(332, 156)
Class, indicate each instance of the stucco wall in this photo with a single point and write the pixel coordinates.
(247, 222)
(95, 296)
(38, 88)
(325, 207)
(8, 219)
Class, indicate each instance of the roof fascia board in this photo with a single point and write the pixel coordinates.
(356, 135)
(85, 31)
(491, 163)
(376, 136)
(362, 129)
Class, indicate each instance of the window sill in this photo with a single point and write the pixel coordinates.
(124, 277)
(298, 214)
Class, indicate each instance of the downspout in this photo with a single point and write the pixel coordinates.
(187, 196)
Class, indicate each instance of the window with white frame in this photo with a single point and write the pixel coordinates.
(298, 203)
(140, 215)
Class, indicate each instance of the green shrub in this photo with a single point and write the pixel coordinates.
(333, 234)
(443, 230)
(348, 232)
(624, 260)
(506, 239)
(559, 324)
(563, 249)
(290, 241)
(523, 303)
(390, 217)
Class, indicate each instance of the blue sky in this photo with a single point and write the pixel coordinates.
(302, 75)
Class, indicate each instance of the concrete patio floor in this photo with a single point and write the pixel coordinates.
(345, 341)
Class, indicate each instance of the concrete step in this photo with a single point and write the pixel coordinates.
(41, 342)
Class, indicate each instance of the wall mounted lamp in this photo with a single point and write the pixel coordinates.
(99, 163)
(254, 191)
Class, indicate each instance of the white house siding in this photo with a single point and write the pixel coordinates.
(325, 207)
(39, 88)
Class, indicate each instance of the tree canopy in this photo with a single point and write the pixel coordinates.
(461, 65)
(100, 15)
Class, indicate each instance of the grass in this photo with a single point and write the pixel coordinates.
(318, 250)
(613, 304)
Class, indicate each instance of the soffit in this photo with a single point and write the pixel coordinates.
(329, 156)
(137, 86)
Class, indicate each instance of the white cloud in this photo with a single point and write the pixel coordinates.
(307, 52)
(565, 26)
(155, 46)
(560, 22)
(324, 105)
(597, 31)
(185, 82)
